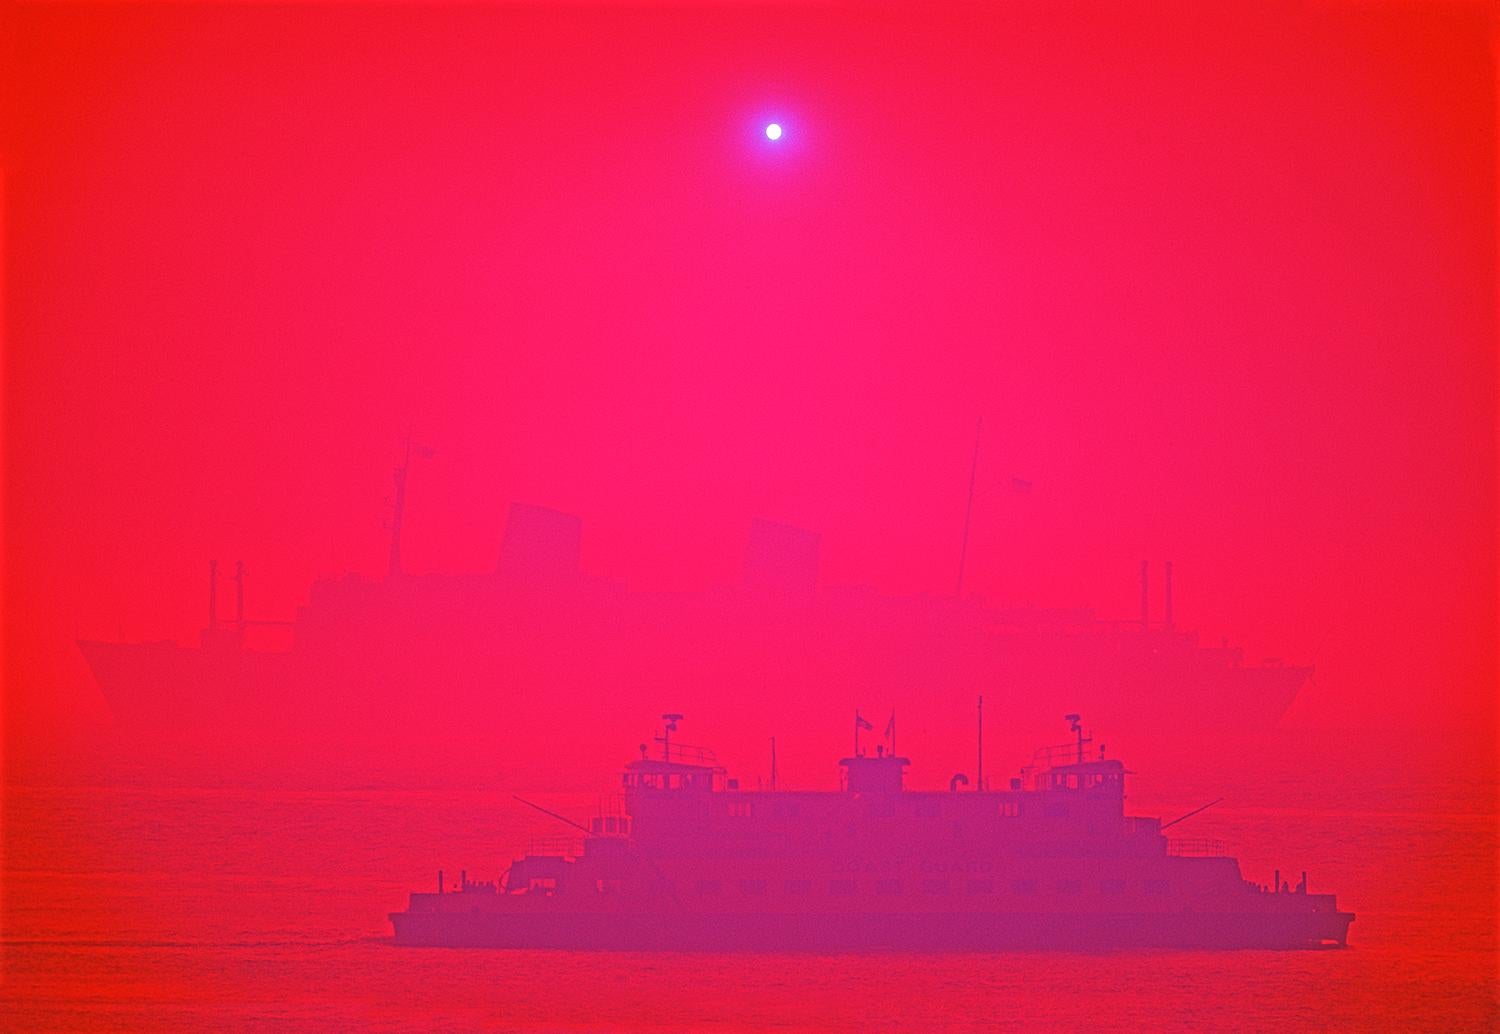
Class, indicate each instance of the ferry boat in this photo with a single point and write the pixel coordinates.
(692, 861)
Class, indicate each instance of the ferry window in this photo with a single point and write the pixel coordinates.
(608, 886)
(888, 887)
(799, 887)
(1072, 780)
(709, 887)
(927, 808)
(1026, 887)
(841, 888)
(1010, 809)
(611, 824)
(756, 887)
(739, 809)
(1070, 887)
(596, 825)
(1056, 811)
(1157, 887)
(1112, 887)
(934, 886)
(625, 825)
(981, 887)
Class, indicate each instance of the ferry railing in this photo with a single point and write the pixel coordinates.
(688, 754)
(1195, 847)
(1057, 756)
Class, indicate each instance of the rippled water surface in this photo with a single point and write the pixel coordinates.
(133, 905)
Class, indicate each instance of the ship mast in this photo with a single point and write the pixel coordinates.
(399, 504)
(979, 776)
(963, 551)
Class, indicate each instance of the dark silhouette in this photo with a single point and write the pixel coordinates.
(688, 860)
(365, 655)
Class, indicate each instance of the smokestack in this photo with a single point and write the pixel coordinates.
(213, 594)
(1169, 594)
(1145, 594)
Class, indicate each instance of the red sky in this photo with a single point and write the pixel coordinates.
(1220, 283)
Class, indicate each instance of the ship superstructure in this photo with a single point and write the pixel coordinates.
(380, 649)
(692, 861)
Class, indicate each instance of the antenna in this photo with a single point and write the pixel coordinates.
(979, 776)
(773, 762)
(1075, 722)
(963, 551)
(666, 734)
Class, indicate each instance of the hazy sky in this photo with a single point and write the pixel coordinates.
(1221, 285)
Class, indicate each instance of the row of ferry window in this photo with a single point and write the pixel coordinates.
(924, 808)
(669, 780)
(935, 887)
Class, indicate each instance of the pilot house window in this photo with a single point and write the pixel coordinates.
(739, 809)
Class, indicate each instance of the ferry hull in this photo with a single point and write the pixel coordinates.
(869, 931)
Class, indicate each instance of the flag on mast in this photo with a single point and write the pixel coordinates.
(859, 723)
(890, 731)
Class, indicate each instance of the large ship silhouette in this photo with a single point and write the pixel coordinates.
(368, 659)
(687, 860)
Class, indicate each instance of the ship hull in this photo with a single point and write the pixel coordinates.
(840, 932)
(218, 696)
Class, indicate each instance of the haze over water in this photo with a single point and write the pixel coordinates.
(1219, 279)
(137, 903)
